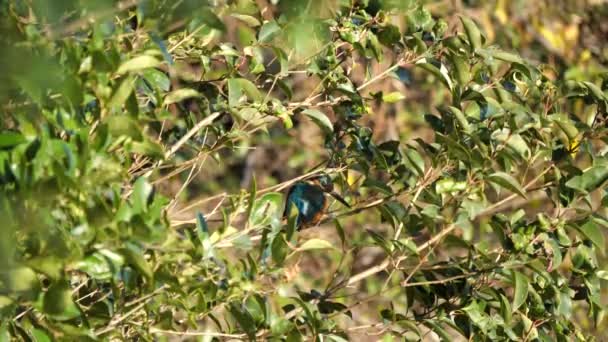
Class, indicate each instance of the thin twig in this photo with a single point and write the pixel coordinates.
(205, 122)
(439, 281)
(381, 75)
(196, 333)
(119, 319)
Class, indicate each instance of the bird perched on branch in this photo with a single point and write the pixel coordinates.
(309, 197)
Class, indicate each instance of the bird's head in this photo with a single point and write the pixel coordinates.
(324, 181)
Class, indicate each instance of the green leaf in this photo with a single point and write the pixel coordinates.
(243, 242)
(202, 227)
(521, 290)
(420, 19)
(4, 334)
(377, 185)
(240, 87)
(58, 302)
(268, 31)
(292, 222)
(252, 194)
(462, 120)
(10, 139)
(285, 117)
(381, 241)
(472, 32)
(461, 69)
(266, 207)
(248, 19)
(148, 148)
(513, 141)
(589, 180)
(448, 185)
(530, 330)
(566, 126)
(439, 330)
(244, 319)
(335, 338)
(340, 231)
(134, 257)
(476, 312)
(123, 125)
(21, 279)
(122, 93)
(96, 266)
(374, 47)
(320, 119)
(393, 97)
(505, 309)
(501, 55)
(6, 304)
(564, 306)
(602, 274)
(279, 249)
(596, 91)
(138, 63)
(507, 181)
(157, 79)
(416, 160)
(51, 266)
(315, 244)
(436, 68)
(592, 232)
(40, 335)
(180, 95)
(210, 19)
(557, 257)
(141, 192)
(280, 326)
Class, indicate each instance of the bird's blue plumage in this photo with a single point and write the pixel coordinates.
(310, 201)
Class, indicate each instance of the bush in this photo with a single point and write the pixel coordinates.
(145, 147)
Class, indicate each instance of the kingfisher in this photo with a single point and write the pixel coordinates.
(310, 199)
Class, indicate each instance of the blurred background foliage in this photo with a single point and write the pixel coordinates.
(146, 147)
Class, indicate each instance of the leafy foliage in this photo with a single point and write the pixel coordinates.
(486, 223)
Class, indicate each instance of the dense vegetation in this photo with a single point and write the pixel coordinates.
(146, 148)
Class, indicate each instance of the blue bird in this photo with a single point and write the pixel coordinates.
(310, 200)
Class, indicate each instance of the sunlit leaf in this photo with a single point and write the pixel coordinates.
(266, 207)
(313, 244)
(473, 33)
(520, 282)
(248, 19)
(141, 193)
(501, 55)
(507, 181)
(592, 232)
(393, 97)
(268, 31)
(437, 69)
(239, 88)
(320, 119)
(10, 139)
(279, 249)
(589, 180)
(180, 95)
(138, 63)
(122, 92)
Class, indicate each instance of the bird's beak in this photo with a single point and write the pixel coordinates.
(339, 198)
